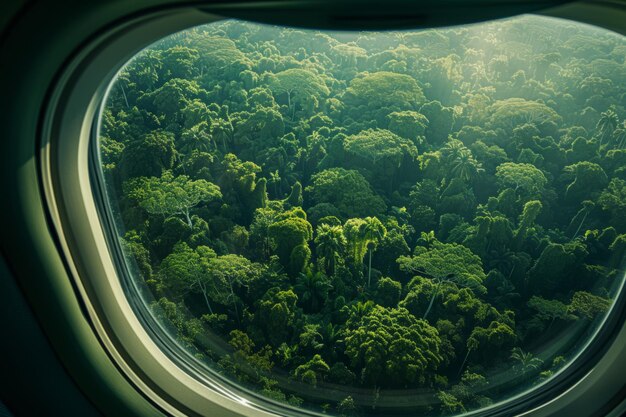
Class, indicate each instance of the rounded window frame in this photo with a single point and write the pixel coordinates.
(69, 186)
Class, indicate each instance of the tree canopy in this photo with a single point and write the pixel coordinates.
(373, 223)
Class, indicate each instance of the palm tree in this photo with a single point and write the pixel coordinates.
(527, 362)
(359, 310)
(196, 138)
(607, 124)
(276, 180)
(330, 243)
(332, 337)
(483, 227)
(453, 149)
(355, 246)
(465, 166)
(312, 288)
(372, 233)
(222, 129)
(502, 259)
(427, 239)
(619, 135)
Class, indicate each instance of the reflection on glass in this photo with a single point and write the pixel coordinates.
(374, 223)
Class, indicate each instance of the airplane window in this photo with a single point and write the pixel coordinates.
(372, 223)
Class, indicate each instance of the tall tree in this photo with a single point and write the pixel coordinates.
(169, 195)
(330, 244)
(446, 262)
(372, 232)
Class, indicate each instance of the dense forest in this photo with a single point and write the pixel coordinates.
(375, 223)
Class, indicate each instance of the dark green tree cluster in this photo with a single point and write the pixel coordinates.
(328, 217)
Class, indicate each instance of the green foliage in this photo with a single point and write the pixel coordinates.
(322, 214)
(148, 156)
(291, 234)
(388, 292)
(446, 262)
(276, 315)
(331, 244)
(525, 362)
(553, 265)
(380, 147)
(588, 306)
(346, 407)
(347, 190)
(613, 200)
(512, 112)
(525, 179)
(549, 310)
(449, 404)
(295, 197)
(408, 124)
(312, 371)
(167, 195)
(187, 330)
(393, 348)
(302, 87)
(384, 89)
(587, 176)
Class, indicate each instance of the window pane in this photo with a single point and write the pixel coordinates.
(374, 223)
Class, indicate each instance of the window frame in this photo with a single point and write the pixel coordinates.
(79, 217)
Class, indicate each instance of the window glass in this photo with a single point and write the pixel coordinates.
(373, 223)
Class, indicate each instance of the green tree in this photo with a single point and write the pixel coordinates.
(356, 246)
(179, 62)
(613, 200)
(589, 179)
(181, 272)
(380, 151)
(229, 274)
(300, 86)
(312, 288)
(390, 347)
(294, 199)
(606, 124)
(388, 292)
(372, 232)
(196, 138)
(171, 97)
(168, 195)
(149, 155)
(527, 219)
(527, 180)
(276, 315)
(346, 407)
(465, 166)
(526, 362)
(288, 234)
(440, 121)
(330, 244)
(408, 124)
(312, 371)
(549, 273)
(347, 190)
(384, 89)
(445, 262)
(578, 220)
(588, 306)
(549, 311)
(512, 112)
